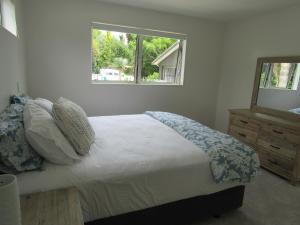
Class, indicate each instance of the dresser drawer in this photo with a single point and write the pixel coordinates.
(282, 149)
(242, 134)
(276, 164)
(281, 133)
(244, 122)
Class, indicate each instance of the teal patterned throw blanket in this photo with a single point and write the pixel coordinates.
(230, 160)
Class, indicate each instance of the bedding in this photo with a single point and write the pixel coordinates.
(230, 160)
(73, 122)
(45, 137)
(136, 162)
(297, 110)
(19, 99)
(16, 155)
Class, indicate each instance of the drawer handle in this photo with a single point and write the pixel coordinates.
(277, 132)
(244, 122)
(273, 146)
(242, 135)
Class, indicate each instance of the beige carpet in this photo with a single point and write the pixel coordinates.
(269, 200)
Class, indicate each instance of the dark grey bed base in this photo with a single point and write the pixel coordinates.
(181, 212)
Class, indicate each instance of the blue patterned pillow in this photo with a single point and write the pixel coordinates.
(19, 99)
(16, 155)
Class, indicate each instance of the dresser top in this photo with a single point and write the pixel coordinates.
(267, 118)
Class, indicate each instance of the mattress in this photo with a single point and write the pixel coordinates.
(135, 163)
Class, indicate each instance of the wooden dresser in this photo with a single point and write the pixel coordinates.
(276, 140)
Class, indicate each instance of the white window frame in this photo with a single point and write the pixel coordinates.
(139, 52)
(8, 18)
(0, 13)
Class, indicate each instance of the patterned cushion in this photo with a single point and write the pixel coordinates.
(19, 99)
(16, 155)
(72, 121)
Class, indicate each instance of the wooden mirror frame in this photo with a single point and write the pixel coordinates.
(260, 109)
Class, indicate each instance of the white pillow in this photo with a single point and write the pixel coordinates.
(73, 122)
(45, 104)
(45, 137)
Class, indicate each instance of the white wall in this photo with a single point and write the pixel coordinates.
(12, 62)
(278, 99)
(273, 34)
(59, 61)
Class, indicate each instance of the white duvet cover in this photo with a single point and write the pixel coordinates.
(135, 163)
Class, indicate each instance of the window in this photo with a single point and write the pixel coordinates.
(8, 16)
(132, 55)
(280, 76)
(113, 56)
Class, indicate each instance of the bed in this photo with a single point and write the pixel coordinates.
(136, 163)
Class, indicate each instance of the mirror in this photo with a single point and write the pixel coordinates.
(277, 84)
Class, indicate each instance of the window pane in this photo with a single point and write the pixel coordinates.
(8, 14)
(264, 74)
(160, 57)
(280, 75)
(113, 56)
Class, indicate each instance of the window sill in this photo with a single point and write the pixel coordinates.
(136, 84)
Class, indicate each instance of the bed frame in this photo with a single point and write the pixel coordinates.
(181, 212)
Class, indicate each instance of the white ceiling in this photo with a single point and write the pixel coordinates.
(221, 10)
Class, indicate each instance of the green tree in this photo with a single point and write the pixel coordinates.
(152, 48)
(106, 55)
(152, 77)
(119, 52)
(120, 49)
(96, 39)
(132, 47)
